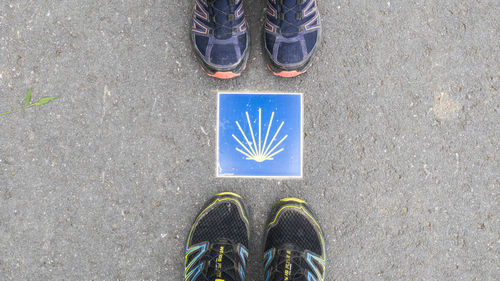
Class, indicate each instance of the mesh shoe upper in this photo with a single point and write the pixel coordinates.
(292, 31)
(294, 247)
(222, 221)
(294, 229)
(219, 32)
(218, 241)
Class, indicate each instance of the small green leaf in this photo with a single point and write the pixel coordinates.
(28, 97)
(44, 100)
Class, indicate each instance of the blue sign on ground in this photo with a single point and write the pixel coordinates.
(259, 135)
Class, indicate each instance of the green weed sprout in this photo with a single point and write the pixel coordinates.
(27, 103)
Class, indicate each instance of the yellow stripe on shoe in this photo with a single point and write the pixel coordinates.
(229, 193)
(292, 199)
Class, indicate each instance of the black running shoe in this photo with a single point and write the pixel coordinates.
(217, 244)
(295, 248)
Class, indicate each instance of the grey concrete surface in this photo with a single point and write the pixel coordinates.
(401, 155)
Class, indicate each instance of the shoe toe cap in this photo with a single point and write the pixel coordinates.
(293, 50)
(221, 53)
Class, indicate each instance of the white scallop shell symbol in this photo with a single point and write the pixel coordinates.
(259, 151)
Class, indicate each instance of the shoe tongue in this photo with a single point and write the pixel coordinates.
(222, 266)
(290, 3)
(221, 11)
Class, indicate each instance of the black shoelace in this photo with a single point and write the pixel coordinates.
(229, 15)
(230, 259)
(283, 11)
(296, 265)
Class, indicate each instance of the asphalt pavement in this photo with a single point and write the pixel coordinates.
(401, 145)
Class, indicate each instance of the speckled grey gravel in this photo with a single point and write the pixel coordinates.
(401, 159)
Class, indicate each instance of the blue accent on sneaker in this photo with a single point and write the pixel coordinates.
(292, 32)
(219, 33)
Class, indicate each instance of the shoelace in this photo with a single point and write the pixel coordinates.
(230, 258)
(284, 11)
(296, 261)
(230, 16)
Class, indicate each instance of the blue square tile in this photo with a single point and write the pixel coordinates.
(259, 135)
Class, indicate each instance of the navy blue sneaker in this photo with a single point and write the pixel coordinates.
(220, 37)
(292, 34)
